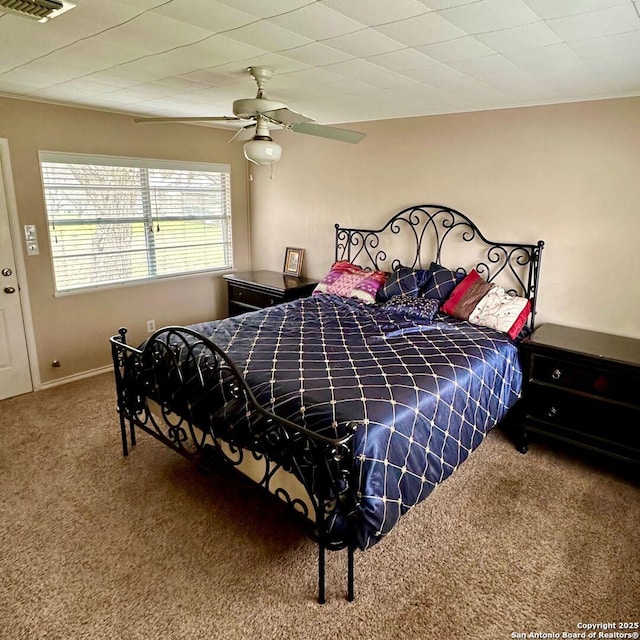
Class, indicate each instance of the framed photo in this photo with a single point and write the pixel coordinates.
(293, 261)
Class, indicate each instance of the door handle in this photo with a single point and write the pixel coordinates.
(9, 289)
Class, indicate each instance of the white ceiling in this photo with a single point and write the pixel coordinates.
(335, 60)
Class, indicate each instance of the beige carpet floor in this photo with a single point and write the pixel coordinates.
(93, 545)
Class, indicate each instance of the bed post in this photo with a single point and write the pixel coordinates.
(321, 537)
(119, 364)
(337, 242)
(321, 572)
(123, 434)
(535, 275)
(323, 508)
(350, 573)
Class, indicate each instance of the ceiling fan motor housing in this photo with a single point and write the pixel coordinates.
(247, 108)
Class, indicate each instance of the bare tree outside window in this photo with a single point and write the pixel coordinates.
(110, 224)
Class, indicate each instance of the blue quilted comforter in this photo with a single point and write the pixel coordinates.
(425, 394)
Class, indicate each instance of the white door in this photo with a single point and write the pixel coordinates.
(15, 375)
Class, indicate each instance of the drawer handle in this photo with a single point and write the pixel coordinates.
(271, 301)
(556, 374)
(553, 412)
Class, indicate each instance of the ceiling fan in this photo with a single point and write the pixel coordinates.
(265, 113)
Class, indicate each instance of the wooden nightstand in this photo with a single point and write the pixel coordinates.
(582, 388)
(253, 290)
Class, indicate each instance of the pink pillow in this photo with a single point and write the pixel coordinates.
(464, 298)
(351, 281)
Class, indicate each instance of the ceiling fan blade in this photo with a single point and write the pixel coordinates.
(194, 119)
(246, 133)
(286, 116)
(343, 135)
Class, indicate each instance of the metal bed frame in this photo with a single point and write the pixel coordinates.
(182, 389)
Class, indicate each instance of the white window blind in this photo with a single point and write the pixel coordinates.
(117, 220)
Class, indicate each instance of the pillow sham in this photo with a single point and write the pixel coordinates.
(351, 281)
(466, 295)
(415, 308)
(441, 282)
(403, 281)
(502, 311)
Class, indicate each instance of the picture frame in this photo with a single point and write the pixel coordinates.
(293, 258)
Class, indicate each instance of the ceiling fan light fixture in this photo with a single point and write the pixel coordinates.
(262, 150)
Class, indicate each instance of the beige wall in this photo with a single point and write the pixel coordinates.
(74, 329)
(567, 174)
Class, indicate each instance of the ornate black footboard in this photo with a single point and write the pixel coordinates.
(185, 391)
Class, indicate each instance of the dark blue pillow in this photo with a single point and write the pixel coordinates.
(441, 282)
(414, 308)
(403, 281)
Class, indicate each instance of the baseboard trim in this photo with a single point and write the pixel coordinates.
(74, 378)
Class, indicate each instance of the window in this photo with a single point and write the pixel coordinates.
(115, 220)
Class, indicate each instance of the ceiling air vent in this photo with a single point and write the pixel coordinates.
(41, 10)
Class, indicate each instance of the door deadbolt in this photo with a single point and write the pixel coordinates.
(7, 272)
(9, 289)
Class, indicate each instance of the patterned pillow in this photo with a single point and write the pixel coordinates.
(502, 311)
(404, 280)
(464, 298)
(350, 281)
(441, 282)
(416, 308)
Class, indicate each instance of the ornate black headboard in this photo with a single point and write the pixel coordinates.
(419, 235)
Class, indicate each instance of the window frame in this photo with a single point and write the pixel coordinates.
(140, 163)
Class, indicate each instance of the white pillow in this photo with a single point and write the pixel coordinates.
(502, 311)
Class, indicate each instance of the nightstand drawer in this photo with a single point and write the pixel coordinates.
(588, 417)
(249, 297)
(597, 381)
